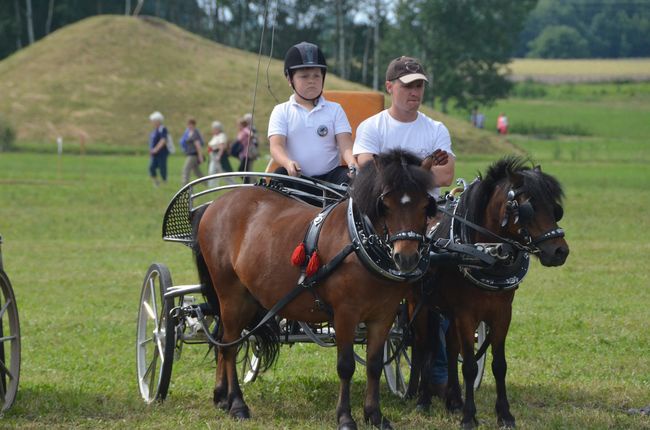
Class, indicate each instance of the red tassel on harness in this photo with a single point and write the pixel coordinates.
(314, 264)
(298, 256)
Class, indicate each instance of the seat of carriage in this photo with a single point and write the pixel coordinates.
(357, 105)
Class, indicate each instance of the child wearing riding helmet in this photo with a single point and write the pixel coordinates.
(309, 135)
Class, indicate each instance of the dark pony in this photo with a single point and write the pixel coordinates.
(521, 205)
(245, 239)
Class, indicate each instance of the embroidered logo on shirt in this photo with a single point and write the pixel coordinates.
(322, 130)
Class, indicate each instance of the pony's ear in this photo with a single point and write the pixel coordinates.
(538, 168)
(516, 179)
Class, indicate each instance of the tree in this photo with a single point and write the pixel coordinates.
(464, 44)
(559, 41)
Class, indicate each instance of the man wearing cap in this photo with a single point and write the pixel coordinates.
(403, 126)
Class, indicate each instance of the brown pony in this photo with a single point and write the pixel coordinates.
(518, 206)
(245, 240)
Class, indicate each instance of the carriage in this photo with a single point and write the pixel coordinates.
(171, 316)
(9, 341)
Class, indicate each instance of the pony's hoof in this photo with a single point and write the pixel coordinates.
(347, 425)
(222, 404)
(454, 406)
(506, 423)
(240, 413)
(469, 424)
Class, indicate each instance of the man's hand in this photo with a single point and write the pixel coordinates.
(293, 168)
(439, 157)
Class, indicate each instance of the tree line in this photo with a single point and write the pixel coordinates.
(464, 44)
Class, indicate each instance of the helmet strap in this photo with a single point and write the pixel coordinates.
(315, 99)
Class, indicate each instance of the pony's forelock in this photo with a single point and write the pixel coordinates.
(397, 171)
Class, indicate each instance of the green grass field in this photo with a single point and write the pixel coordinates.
(80, 233)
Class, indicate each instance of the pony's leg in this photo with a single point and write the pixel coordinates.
(499, 369)
(429, 344)
(454, 401)
(466, 329)
(235, 316)
(376, 337)
(220, 396)
(345, 368)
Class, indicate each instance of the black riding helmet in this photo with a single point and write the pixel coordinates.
(301, 56)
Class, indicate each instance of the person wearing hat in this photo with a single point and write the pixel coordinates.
(158, 148)
(403, 126)
(309, 135)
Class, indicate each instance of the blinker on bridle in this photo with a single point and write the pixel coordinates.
(523, 213)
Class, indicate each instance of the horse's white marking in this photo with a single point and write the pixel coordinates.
(405, 199)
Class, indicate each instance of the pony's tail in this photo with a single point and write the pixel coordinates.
(267, 340)
(201, 265)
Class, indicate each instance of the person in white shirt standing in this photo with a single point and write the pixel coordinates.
(309, 135)
(403, 126)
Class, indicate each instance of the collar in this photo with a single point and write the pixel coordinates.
(320, 105)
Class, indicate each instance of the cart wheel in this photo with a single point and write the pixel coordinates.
(9, 344)
(249, 359)
(479, 338)
(156, 335)
(397, 349)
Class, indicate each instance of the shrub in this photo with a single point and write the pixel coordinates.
(529, 90)
(7, 135)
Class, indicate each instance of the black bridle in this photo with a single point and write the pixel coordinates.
(520, 213)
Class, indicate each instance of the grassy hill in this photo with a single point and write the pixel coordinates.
(101, 77)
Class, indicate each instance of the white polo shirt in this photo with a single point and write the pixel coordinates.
(311, 135)
(381, 133)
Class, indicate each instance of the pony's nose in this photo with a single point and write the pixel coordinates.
(561, 253)
(406, 262)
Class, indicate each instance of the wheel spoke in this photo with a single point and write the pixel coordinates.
(147, 307)
(3, 369)
(150, 367)
(153, 374)
(145, 341)
(4, 308)
(6, 338)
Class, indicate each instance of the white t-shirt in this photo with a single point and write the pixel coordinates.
(311, 135)
(381, 133)
(218, 140)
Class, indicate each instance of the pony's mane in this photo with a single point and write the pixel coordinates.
(397, 170)
(543, 189)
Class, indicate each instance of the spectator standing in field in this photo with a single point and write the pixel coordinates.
(477, 118)
(158, 148)
(502, 124)
(218, 153)
(403, 126)
(192, 144)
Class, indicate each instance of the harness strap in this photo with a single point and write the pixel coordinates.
(483, 230)
(305, 284)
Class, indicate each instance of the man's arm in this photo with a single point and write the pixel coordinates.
(364, 158)
(444, 174)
